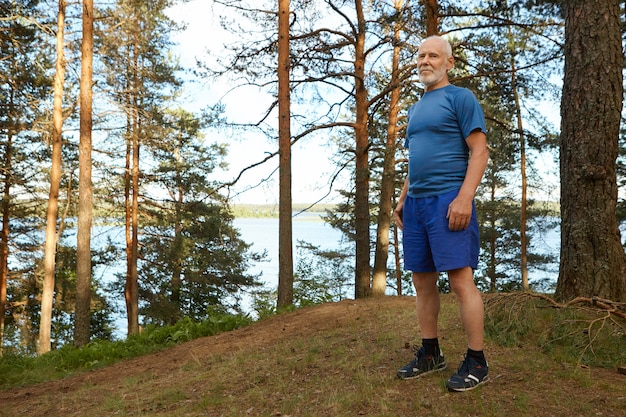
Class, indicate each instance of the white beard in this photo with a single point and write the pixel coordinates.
(432, 77)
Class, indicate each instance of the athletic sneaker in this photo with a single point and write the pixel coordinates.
(469, 375)
(422, 364)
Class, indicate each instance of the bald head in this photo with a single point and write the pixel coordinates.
(441, 43)
(434, 60)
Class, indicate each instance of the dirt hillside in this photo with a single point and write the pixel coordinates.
(312, 371)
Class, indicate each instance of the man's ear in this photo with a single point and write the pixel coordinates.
(450, 64)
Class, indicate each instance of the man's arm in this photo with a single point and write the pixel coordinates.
(460, 209)
(397, 213)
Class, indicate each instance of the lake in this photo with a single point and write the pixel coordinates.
(262, 234)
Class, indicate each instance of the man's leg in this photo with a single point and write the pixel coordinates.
(427, 301)
(471, 306)
(473, 371)
(428, 357)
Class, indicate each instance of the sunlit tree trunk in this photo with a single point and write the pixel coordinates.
(85, 207)
(361, 203)
(134, 274)
(592, 257)
(131, 292)
(379, 276)
(285, 229)
(45, 321)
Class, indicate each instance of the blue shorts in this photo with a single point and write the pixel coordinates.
(429, 244)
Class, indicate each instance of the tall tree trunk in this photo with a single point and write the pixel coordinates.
(522, 151)
(131, 313)
(45, 322)
(177, 272)
(131, 292)
(134, 274)
(85, 206)
(431, 10)
(4, 233)
(493, 242)
(285, 226)
(592, 258)
(361, 203)
(379, 276)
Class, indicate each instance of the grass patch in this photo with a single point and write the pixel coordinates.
(19, 370)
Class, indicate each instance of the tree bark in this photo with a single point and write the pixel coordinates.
(285, 226)
(523, 176)
(361, 203)
(379, 276)
(592, 258)
(131, 290)
(85, 207)
(431, 10)
(4, 233)
(47, 295)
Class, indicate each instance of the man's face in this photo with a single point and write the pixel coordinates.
(433, 64)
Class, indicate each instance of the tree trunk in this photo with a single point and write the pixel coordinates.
(592, 258)
(522, 151)
(431, 10)
(285, 226)
(131, 291)
(361, 203)
(133, 278)
(132, 316)
(177, 262)
(4, 233)
(45, 321)
(387, 187)
(85, 206)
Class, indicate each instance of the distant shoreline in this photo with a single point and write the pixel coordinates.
(271, 210)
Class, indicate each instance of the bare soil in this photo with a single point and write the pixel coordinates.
(328, 360)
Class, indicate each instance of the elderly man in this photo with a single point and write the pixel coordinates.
(447, 158)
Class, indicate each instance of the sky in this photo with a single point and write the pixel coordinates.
(310, 160)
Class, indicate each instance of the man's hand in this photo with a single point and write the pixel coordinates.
(459, 213)
(397, 215)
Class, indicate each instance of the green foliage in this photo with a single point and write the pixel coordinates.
(576, 334)
(22, 325)
(17, 370)
(264, 302)
(320, 277)
(192, 257)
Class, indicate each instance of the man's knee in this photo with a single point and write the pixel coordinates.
(425, 282)
(462, 281)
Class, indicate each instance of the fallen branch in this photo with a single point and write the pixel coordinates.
(509, 308)
(619, 309)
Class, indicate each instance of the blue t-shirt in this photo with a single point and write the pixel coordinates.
(438, 125)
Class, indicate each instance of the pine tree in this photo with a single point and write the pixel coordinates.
(193, 259)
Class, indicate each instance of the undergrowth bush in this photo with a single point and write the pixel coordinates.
(18, 370)
(576, 334)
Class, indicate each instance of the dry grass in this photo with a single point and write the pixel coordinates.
(330, 360)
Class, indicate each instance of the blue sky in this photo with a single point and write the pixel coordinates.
(310, 161)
